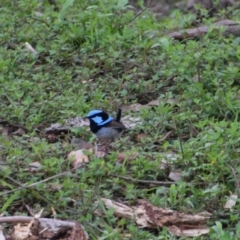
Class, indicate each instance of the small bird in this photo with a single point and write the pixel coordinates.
(104, 126)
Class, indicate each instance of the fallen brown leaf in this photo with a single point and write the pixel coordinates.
(34, 167)
(22, 231)
(133, 107)
(153, 103)
(141, 136)
(79, 144)
(131, 122)
(231, 201)
(163, 101)
(7, 128)
(127, 156)
(175, 175)
(78, 158)
(168, 159)
(101, 154)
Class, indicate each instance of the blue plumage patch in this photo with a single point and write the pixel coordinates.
(97, 119)
(100, 121)
(93, 112)
(105, 122)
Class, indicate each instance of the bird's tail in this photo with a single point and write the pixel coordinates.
(119, 115)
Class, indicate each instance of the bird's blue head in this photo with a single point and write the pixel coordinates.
(99, 117)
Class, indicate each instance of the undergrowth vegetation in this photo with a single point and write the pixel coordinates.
(101, 55)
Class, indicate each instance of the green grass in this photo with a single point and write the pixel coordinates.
(96, 54)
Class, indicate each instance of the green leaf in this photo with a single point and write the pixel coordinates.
(66, 5)
(121, 4)
(12, 198)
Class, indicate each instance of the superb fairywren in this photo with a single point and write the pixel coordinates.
(104, 126)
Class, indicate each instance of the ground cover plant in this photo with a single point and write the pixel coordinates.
(103, 55)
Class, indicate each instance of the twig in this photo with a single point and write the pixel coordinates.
(141, 12)
(22, 219)
(165, 136)
(40, 20)
(144, 181)
(35, 184)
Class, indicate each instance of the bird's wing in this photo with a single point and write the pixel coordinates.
(116, 125)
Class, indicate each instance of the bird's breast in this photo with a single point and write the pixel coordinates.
(105, 132)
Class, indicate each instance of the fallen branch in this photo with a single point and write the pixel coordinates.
(148, 216)
(23, 219)
(44, 228)
(231, 28)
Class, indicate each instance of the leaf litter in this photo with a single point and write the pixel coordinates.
(36, 228)
(148, 216)
(144, 214)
